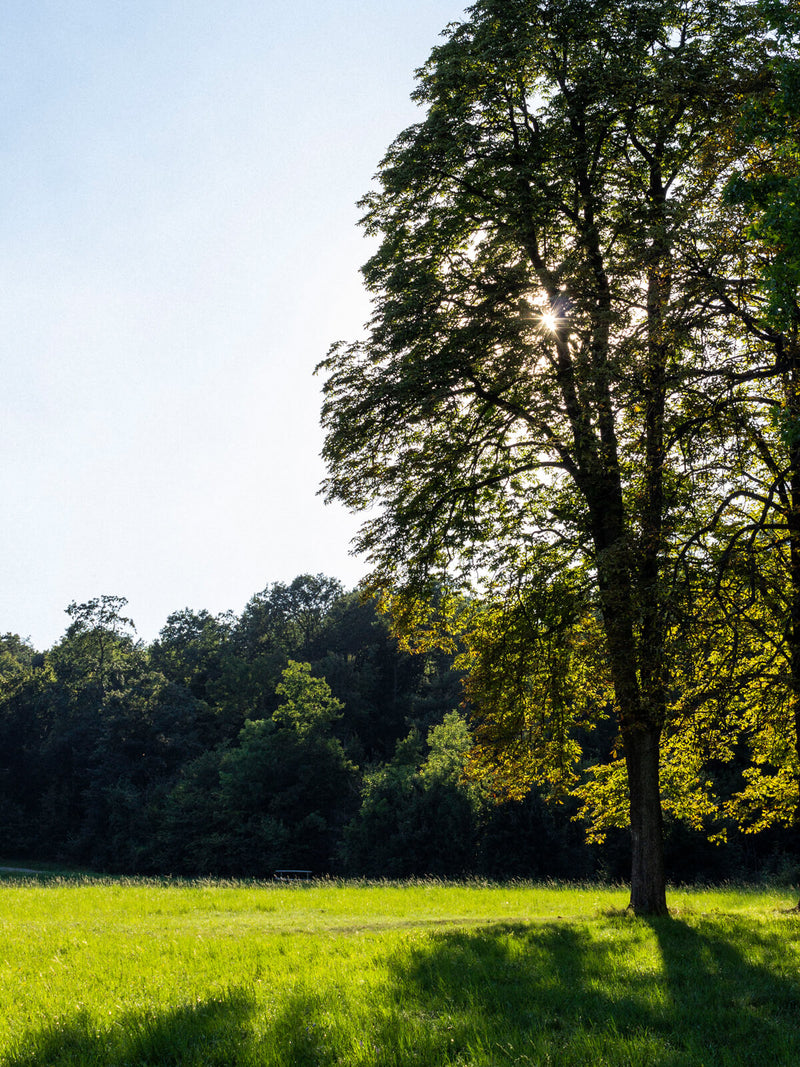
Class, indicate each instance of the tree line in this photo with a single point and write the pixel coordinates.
(299, 734)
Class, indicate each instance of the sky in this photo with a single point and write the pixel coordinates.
(179, 246)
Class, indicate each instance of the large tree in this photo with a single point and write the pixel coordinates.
(525, 392)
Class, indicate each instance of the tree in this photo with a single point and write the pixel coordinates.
(289, 618)
(197, 650)
(20, 724)
(98, 642)
(287, 786)
(369, 674)
(520, 404)
(16, 657)
(418, 814)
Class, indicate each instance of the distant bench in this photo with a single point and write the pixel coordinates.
(292, 875)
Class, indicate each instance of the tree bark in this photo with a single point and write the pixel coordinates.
(648, 885)
(640, 728)
(640, 716)
(792, 398)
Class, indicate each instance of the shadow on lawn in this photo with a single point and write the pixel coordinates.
(736, 995)
(205, 1033)
(558, 993)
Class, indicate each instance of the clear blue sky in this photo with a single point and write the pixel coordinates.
(178, 249)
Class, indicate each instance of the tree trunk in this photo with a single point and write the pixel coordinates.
(792, 398)
(648, 888)
(640, 716)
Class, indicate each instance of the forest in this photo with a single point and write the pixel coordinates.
(298, 734)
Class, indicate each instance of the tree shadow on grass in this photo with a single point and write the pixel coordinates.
(625, 991)
(560, 994)
(209, 1033)
(735, 996)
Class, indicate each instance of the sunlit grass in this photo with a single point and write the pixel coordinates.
(137, 972)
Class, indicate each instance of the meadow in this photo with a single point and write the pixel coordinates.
(133, 972)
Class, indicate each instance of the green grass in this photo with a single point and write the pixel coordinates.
(116, 972)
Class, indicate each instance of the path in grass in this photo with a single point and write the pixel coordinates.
(113, 973)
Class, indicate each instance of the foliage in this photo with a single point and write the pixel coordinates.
(308, 706)
(287, 783)
(768, 186)
(154, 770)
(15, 656)
(417, 814)
(752, 539)
(290, 617)
(538, 681)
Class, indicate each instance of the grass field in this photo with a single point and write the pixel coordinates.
(115, 972)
